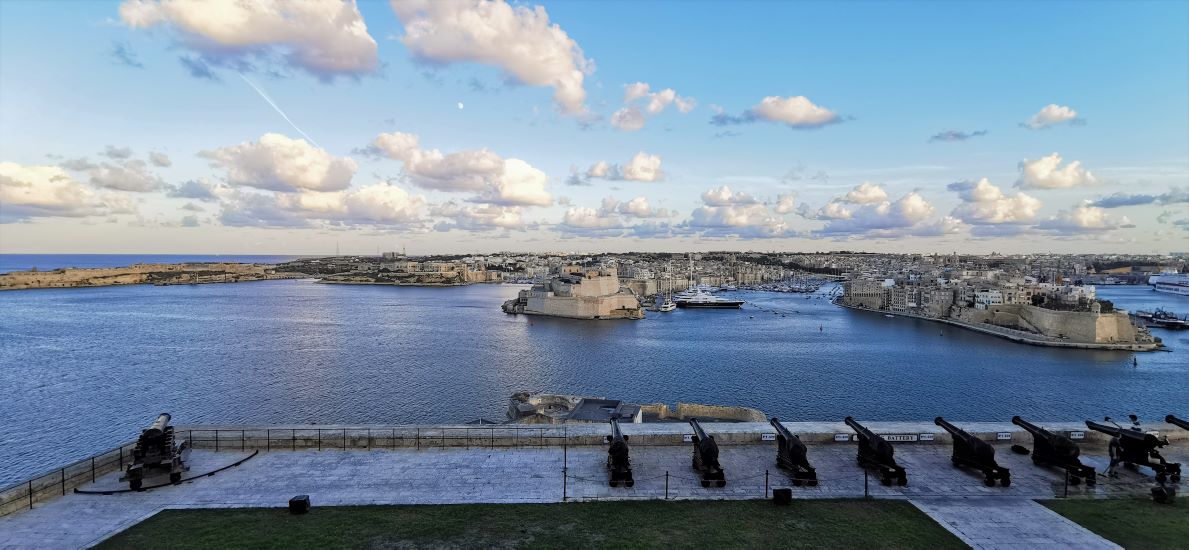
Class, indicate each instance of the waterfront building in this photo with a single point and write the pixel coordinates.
(579, 293)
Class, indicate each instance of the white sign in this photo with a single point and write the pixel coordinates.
(1077, 435)
(767, 437)
(926, 437)
(687, 437)
(900, 437)
(1003, 436)
(841, 437)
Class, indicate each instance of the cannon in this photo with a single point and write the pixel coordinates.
(1133, 447)
(705, 459)
(1180, 423)
(877, 454)
(157, 451)
(619, 464)
(976, 453)
(1057, 450)
(790, 455)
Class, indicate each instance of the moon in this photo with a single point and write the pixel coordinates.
(460, 105)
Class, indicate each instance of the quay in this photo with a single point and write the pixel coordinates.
(363, 465)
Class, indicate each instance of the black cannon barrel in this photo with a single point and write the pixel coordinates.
(952, 429)
(158, 426)
(615, 431)
(858, 427)
(780, 429)
(1030, 427)
(698, 431)
(1137, 435)
(1184, 424)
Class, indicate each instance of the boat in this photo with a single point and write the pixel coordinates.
(667, 306)
(1171, 283)
(1162, 319)
(706, 300)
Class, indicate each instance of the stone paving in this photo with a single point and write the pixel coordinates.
(503, 475)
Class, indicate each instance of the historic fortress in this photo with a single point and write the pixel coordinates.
(578, 293)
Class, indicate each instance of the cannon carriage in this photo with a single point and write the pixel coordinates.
(1057, 450)
(705, 457)
(156, 452)
(877, 454)
(976, 453)
(1134, 447)
(619, 463)
(791, 455)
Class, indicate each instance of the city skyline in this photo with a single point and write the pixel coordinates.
(300, 128)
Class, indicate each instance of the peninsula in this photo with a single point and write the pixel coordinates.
(136, 274)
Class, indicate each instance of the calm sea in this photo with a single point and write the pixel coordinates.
(45, 262)
(82, 370)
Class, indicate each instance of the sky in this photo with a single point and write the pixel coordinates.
(277, 127)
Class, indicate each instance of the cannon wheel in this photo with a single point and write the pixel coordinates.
(175, 477)
(989, 481)
(135, 484)
(903, 480)
(629, 483)
(1161, 476)
(887, 481)
(1005, 481)
(796, 482)
(721, 483)
(705, 482)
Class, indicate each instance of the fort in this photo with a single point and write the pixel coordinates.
(578, 293)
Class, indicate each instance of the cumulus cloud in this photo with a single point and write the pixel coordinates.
(117, 153)
(637, 207)
(956, 135)
(794, 111)
(480, 217)
(642, 167)
(1081, 219)
(251, 209)
(193, 189)
(866, 193)
(1176, 195)
(123, 55)
(640, 102)
(507, 182)
(130, 175)
(1047, 173)
(1051, 114)
(377, 205)
(906, 216)
(519, 40)
(160, 160)
(724, 196)
(984, 203)
(785, 204)
(326, 38)
(279, 163)
(42, 191)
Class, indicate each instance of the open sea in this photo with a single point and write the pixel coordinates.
(82, 370)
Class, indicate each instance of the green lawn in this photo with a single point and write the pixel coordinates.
(651, 524)
(1131, 523)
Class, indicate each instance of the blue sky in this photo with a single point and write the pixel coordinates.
(857, 170)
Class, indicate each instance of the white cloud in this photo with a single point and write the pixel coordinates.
(193, 189)
(581, 217)
(866, 193)
(628, 119)
(1046, 173)
(885, 219)
(129, 175)
(1080, 219)
(510, 182)
(279, 163)
(785, 204)
(1049, 115)
(378, 204)
(984, 203)
(324, 37)
(160, 160)
(795, 111)
(41, 191)
(724, 196)
(640, 102)
(637, 207)
(519, 40)
(642, 167)
(481, 217)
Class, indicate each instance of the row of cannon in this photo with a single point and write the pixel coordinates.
(1130, 446)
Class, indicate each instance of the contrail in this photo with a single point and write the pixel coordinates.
(279, 111)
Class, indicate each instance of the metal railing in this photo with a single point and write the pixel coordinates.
(56, 483)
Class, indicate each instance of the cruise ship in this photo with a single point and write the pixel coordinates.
(1172, 283)
(703, 299)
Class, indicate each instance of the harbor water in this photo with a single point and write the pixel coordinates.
(82, 370)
